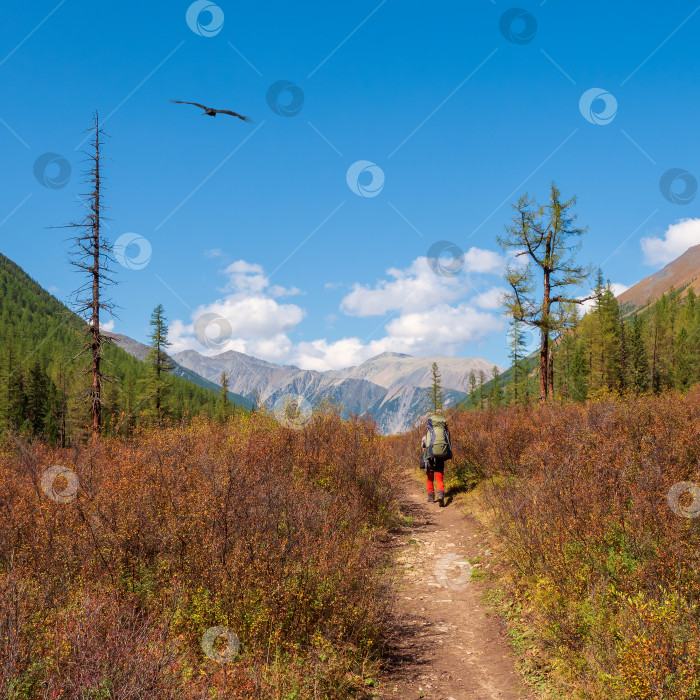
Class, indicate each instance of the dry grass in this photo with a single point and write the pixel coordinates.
(578, 495)
(269, 532)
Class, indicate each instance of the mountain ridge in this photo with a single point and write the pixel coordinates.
(140, 351)
(390, 386)
(681, 273)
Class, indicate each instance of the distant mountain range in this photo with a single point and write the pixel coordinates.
(139, 351)
(681, 273)
(390, 387)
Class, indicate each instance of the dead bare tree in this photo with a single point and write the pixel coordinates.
(92, 255)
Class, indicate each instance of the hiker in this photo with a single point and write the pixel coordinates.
(436, 451)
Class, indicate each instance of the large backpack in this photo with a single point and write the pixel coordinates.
(437, 439)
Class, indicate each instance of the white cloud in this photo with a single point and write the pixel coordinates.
(277, 291)
(254, 321)
(322, 355)
(432, 315)
(419, 287)
(675, 241)
(105, 326)
(415, 288)
(616, 287)
(441, 330)
(250, 278)
(485, 261)
(490, 300)
(245, 277)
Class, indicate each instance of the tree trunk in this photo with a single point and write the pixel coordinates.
(96, 348)
(544, 356)
(653, 365)
(544, 329)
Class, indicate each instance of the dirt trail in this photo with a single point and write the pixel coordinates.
(444, 646)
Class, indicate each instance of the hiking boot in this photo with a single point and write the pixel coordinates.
(441, 498)
(431, 498)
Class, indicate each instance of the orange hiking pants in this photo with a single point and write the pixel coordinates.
(438, 478)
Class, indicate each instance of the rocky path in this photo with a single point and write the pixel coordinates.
(444, 645)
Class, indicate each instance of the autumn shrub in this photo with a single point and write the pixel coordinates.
(582, 497)
(271, 533)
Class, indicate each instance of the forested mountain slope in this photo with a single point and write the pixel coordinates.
(42, 370)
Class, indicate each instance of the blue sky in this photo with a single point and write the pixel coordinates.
(259, 227)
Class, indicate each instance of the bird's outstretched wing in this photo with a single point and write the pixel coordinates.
(196, 104)
(234, 114)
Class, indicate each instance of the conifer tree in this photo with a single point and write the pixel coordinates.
(639, 361)
(436, 394)
(159, 362)
(516, 345)
(482, 394)
(224, 382)
(12, 395)
(548, 239)
(496, 398)
(577, 385)
(472, 388)
(37, 397)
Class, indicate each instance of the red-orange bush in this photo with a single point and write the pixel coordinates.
(247, 525)
(580, 494)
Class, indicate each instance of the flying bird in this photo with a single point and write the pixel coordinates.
(213, 112)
